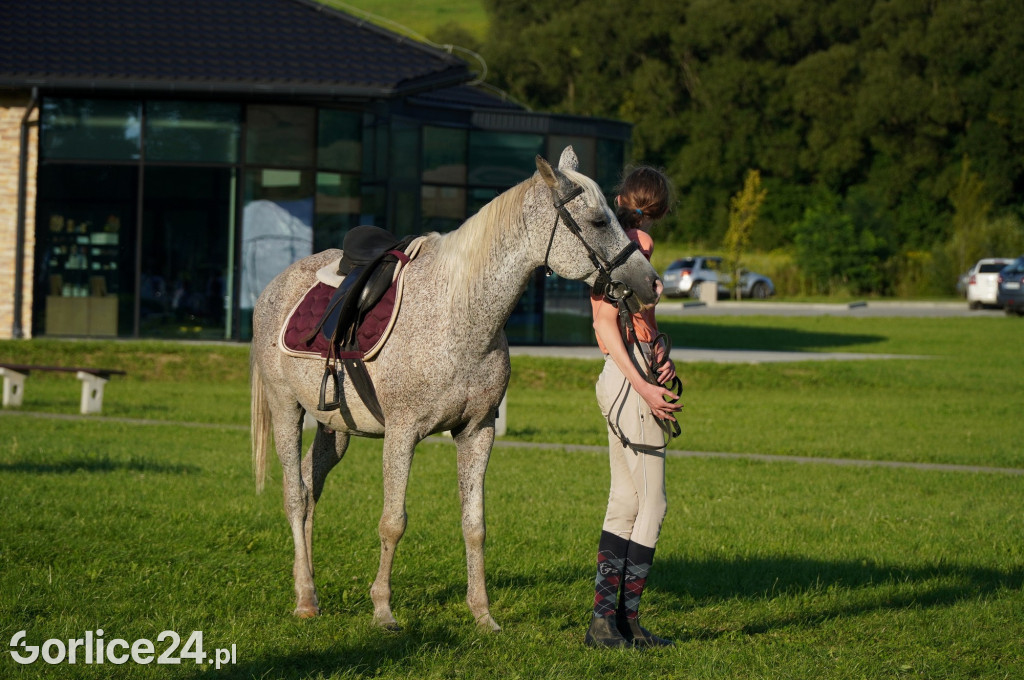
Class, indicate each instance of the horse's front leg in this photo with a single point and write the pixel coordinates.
(473, 447)
(398, 451)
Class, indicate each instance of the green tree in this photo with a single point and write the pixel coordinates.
(840, 247)
(743, 212)
(878, 99)
(971, 209)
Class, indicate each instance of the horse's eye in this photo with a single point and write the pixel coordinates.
(601, 222)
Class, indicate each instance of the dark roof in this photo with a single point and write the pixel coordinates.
(295, 47)
(467, 97)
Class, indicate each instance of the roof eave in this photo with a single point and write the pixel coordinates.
(208, 87)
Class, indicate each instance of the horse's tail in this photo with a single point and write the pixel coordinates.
(259, 427)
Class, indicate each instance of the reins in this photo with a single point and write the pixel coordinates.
(675, 385)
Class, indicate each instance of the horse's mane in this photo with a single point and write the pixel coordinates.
(465, 253)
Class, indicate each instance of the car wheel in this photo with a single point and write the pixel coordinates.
(695, 290)
(973, 304)
(759, 291)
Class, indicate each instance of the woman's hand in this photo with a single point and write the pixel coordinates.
(665, 367)
(655, 396)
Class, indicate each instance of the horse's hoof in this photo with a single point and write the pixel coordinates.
(487, 624)
(306, 612)
(387, 623)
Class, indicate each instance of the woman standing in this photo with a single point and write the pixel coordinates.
(632, 395)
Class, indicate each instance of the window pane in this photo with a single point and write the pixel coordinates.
(444, 155)
(277, 229)
(405, 204)
(280, 135)
(85, 236)
(567, 312)
(340, 141)
(502, 159)
(611, 157)
(443, 208)
(338, 206)
(374, 205)
(375, 160)
(90, 129)
(192, 131)
(185, 252)
(405, 150)
(524, 326)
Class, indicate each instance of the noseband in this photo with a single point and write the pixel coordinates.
(616, 291)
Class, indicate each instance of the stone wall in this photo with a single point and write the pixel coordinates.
(12, 110)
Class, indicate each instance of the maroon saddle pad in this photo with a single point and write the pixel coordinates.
(310, 309)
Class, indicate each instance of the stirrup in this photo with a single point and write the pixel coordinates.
(329, 372)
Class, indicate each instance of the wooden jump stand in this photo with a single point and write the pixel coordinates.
(93, 381)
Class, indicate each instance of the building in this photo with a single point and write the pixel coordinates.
(161, 160)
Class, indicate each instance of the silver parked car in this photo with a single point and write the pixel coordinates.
(683, 278)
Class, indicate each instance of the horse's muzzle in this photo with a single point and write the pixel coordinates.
(656, 289)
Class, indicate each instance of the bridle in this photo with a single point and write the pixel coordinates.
(616, 291)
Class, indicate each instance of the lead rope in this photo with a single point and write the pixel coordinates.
(671, 428)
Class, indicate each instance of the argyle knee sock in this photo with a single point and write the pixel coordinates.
(611, 559)
(639, 559)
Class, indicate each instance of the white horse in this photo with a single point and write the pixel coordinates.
(445, 366)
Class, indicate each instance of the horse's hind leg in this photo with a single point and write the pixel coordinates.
(287, 419)
(473, 449)
(327, 449)
(398, 451)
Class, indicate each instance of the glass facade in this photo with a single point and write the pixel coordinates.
(185, 258)
(340, 141)
(280, 135)
(91, 129)
(503, 159)
(191, 132)
(277, 229)
(167, 218)
(85, 250)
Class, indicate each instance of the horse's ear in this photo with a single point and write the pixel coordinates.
(568, 161)
(548, 173)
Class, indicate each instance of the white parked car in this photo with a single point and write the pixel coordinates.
(983, 281)
(684, 277)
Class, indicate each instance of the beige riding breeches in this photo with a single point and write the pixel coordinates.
(636, 444)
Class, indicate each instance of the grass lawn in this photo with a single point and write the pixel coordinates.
(419, 15)
(764, 570)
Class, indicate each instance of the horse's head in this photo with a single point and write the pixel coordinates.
(587, 242)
